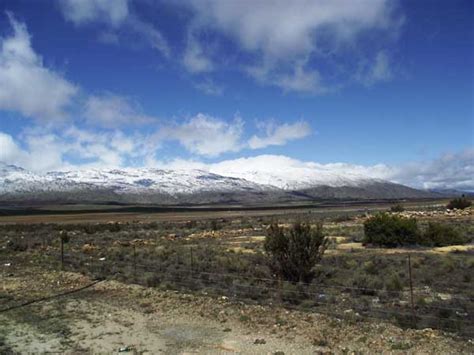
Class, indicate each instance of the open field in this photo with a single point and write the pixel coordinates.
(199, 282)
(118, 213)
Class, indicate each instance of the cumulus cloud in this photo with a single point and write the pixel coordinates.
(288, 34)
(41, 150)
(205, 135)
(113, 12)
(112, 111)
(281, 29)
(39, 154)
(453, 170)
(26, 85)
(280, 134)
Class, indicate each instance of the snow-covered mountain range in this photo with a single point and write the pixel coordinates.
(149, 185)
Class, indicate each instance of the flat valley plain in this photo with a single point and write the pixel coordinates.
(199, 282)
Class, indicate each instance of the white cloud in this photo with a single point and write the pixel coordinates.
(41, 150)
(280, 28)
(9, 150)
(40, 153)
(194, 59)
(150, 34)
(38, 149)
(454, 171)
(379, 70)
(26, 85)
(112, 111)
(112, 12)
(209, 87)
(115, 14)
(280, 134)
(300, 80)
(206, 135)
(289, 34)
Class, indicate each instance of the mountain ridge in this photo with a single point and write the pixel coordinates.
(166, 186)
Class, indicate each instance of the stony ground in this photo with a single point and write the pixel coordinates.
(111, 316)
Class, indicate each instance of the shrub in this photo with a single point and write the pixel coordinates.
(439, 235)
(397, 208)
(343, 218)
(294, 252)
(393, 283)
(459, 203)
(391, 230)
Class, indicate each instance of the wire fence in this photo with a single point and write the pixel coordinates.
(448, 311)
(441, 308)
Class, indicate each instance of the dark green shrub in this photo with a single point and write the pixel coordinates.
(391, 230)
(215, 225)
(294, 252)
(459, 203)
(397, 208)
(439, 235)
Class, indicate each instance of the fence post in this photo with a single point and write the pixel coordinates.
(192, 261)
(61, 238)
(411, 292)
(134, 262)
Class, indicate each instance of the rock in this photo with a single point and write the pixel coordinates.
(259, 341)
(88, 248)
(125, 349)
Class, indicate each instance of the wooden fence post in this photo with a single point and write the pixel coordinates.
(134, 262)
(61, 237)
(411, 292)
(192, 261)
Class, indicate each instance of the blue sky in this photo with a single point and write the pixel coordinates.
(380, 85)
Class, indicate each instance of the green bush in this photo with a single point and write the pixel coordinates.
(439, 235)
(294, 252)
(391, 230)
(459, 203)
(397, 208)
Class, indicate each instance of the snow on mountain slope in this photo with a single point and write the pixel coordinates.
(289, 174)
(14, 179)
(164, 181)
(147, 185)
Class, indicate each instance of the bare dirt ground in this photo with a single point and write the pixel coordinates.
(110, 316)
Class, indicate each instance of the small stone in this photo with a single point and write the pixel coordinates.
(259, 341)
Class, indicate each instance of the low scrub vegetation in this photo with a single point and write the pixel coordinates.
(229, 258)
(437, 234)
(397, 208)
(294, 252)
(391, 231)
(459, 203)
(394, 231)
